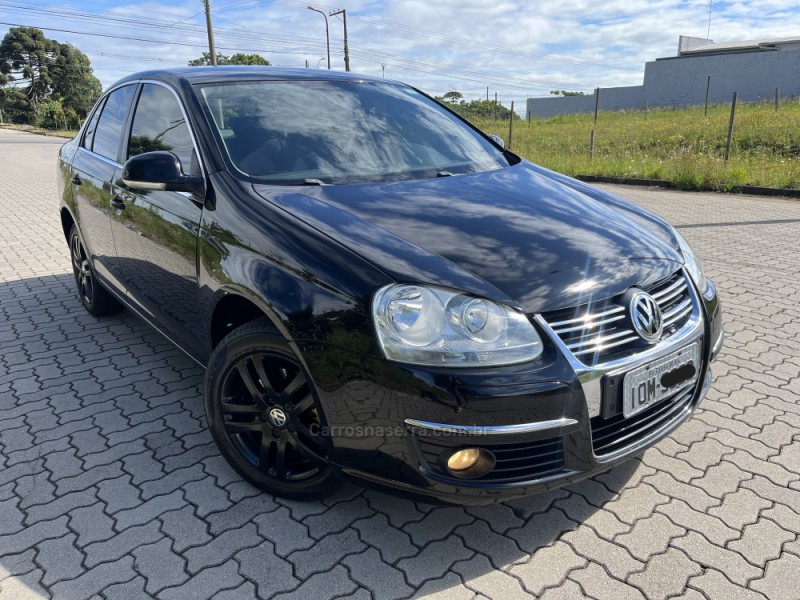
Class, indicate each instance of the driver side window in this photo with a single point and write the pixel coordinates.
(159, 124)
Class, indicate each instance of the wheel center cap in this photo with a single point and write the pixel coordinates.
(277, 417)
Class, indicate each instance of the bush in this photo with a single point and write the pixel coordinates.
(15, 106)
(51, 115)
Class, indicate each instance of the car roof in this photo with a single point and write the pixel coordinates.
(194, 75)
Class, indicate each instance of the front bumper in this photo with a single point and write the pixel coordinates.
(545, 422)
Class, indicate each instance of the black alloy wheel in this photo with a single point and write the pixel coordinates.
(95, 298)
(264, 416)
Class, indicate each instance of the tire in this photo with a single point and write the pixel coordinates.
(264, 415)
(96, 299)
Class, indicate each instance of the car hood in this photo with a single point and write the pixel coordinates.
(522, 235)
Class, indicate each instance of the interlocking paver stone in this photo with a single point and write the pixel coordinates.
(434, 560)
(665, 575)
(111, 488)
(159, 565)
(714, 584)
(494, 583)
(222, 547)
(267, 570)
(185, 528)
(393, 544)
(598, 584)
(325, 553)
(740, 508)
(705, 552)
(285, 533)
(206, 583)
(437, 525)
(130, 590)
(121, 544)
(59, 559)
(95, 579)
(547, 567)
(331, 584)
(762, 541)
(382, 580)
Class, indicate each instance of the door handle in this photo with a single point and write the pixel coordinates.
(76, 180)
(117, 202)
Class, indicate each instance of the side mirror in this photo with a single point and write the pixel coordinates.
(159, 170)
(497, 140)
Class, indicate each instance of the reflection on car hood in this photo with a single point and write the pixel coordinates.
(521, 235)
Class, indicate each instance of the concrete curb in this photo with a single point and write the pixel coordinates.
(754, 190)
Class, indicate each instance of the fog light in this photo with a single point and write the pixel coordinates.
(466, 463)
(463, 459)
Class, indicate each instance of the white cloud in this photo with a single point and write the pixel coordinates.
(516, 48)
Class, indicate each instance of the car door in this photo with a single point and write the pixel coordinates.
(155, 232)
(95, 167)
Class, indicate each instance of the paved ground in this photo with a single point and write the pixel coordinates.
(110, 487)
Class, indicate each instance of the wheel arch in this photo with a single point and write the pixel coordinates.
(67, 221)
(235, 308)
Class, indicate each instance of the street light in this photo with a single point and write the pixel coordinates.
(327, 36)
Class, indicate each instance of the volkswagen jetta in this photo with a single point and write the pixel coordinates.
(379, 291)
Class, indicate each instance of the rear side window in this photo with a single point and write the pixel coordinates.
(88, 137)
(159, 124)
(108, 135)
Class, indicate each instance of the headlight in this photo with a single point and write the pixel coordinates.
(426, 325)
(693, 264)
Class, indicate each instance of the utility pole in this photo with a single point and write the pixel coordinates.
(212, 51)
(383, 69)
(327, 34)
(343, 12)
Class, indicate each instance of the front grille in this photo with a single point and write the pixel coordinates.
(521, 461)
(617, 432)
(600, 332)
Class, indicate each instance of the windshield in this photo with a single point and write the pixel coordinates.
(295, 132)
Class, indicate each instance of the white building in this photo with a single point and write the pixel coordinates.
(752, 68)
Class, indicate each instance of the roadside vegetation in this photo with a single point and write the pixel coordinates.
(681, 146)
(48, 87)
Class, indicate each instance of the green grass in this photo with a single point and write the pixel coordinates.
(65, 133)
(681, 146)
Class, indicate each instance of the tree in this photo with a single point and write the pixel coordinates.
(15, 105)
(73, 81)
(35, 70)
(26, 56)
(453, 96)
(478, 108)
(237, 59)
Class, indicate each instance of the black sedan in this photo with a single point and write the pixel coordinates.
(378, 290)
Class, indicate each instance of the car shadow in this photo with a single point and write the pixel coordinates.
(109, 412)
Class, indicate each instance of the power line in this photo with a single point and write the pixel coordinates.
(138, 39)
(472, 43)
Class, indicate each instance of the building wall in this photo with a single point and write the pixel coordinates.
(755, 75)
(682, 82)
(616, 98)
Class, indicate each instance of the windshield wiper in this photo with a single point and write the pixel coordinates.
(444, 174)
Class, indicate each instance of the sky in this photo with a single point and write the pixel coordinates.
(516, 49)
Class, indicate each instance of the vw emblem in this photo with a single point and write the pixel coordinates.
(646, 316)
(277, 417)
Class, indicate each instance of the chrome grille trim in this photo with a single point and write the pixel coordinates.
(632, 337)
(590, 376)
(616, 309)
(593, 336)
(659, 295)
(677, 313)
(561, 331)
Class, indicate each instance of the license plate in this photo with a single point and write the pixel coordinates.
(651, 383)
